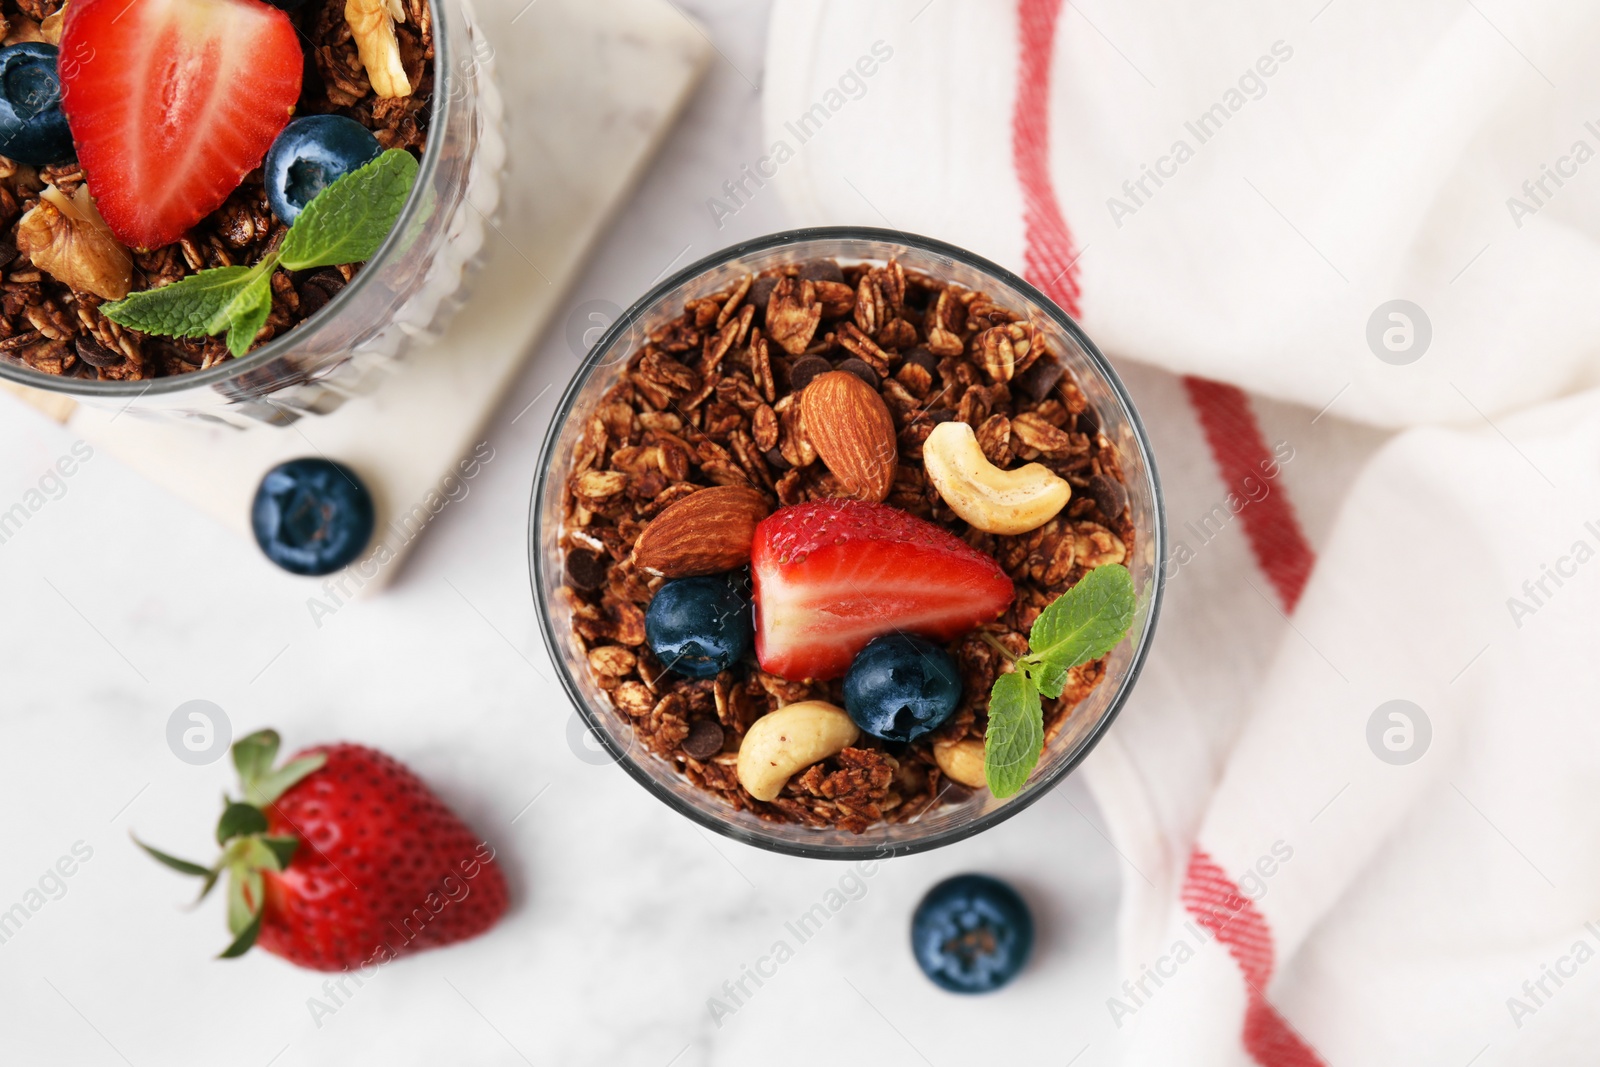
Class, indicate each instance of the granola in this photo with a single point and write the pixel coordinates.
(712, 399)
(57, 328)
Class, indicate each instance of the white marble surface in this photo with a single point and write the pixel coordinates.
(121, 602)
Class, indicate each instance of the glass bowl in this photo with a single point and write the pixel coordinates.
(606, 361)
(406, 290)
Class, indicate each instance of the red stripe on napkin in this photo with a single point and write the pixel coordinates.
(1240, 450)
(1233, 919)
(1048, 256)
(1051, 263)
(1237, 444)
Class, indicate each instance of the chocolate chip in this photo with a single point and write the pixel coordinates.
(96, 354)
(704, 740)
(924, 359)
(1088, 422)
(317, 290)
(938, 415)
(775, 457)
(586, 569)
(1109, 496)
(8, 253)
(806, 368)
(822, 270)
(861, 369)
(1039, 379)
(761, 292)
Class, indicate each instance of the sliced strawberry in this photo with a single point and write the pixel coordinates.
(172, 102)
(832, 575)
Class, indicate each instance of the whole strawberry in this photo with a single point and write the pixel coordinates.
(343, 858)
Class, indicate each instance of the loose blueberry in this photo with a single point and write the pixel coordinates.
(971, 934)
(312, 516)
(33, 128)
(900, 687)
(699, 626)
(310, 155)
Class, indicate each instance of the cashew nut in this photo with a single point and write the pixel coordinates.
(993, 500)
(793, 737)
(961, 761)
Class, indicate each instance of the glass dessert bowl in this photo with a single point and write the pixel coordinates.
(966, 458)
(329, 327)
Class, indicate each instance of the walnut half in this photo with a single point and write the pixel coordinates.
(68, 240)
(372, 26)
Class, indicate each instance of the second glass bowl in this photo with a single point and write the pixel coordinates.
(407, 290)
(607, 361)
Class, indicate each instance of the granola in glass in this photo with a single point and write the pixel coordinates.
(714, 399)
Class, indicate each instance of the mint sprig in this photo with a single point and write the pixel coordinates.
(345, 223)
(1080, 625)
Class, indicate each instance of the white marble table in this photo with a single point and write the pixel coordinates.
(121, 602)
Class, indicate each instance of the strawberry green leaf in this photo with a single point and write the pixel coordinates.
(282, 848)
(1085, 622)
(240, 820)
(1015, 736)
(270, 787)
(244, 898)
(253, 755)
(241, 944)
(348, 221)
(208, 885)
(181, 866)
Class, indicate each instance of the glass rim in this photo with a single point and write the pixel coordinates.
(870, 846)
(21, 374)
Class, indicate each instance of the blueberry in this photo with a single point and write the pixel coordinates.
(312, 516)
(699, 626)
(32, 127)
(971, 934)
(901, 687)
(310, 155)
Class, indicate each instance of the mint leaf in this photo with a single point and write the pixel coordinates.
(246, 314)
(347, 221)
(1015, 737)
(1050, 678)
(1082, 624)
(193, 307)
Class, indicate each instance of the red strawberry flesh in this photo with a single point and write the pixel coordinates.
(172, 102)
(383, 868)
(832, 575)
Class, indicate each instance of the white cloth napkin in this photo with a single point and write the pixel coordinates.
(1315, 873)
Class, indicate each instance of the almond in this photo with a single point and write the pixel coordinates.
(848, 424)
(707, 532)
